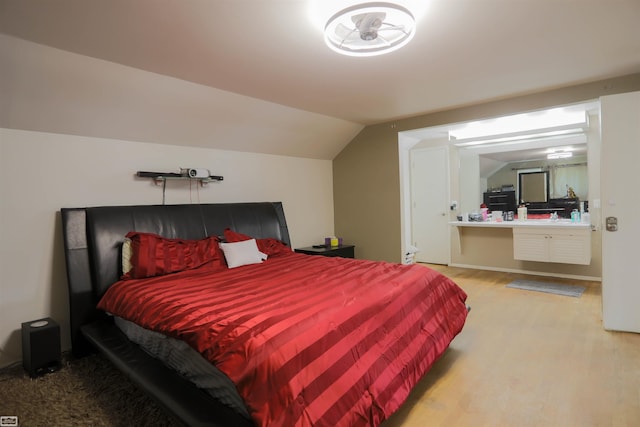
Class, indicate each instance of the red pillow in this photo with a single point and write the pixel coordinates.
(268, 246)
(154, 255)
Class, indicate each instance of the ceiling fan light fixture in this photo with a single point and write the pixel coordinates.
(369, 29)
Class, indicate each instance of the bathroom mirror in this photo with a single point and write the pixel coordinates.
(534, 187)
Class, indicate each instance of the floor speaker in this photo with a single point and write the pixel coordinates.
(41, 346)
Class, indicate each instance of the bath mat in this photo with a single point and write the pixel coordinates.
(550, 288)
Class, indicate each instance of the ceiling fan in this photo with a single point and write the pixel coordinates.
(369, 29)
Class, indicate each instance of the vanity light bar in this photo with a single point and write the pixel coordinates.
(559, 155)
(516, 137)
(519, 127)
(532, 141)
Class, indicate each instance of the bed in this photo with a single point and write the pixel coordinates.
(299, 339)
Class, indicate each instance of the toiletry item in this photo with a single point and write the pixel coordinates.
(522, 213)
(475, 216)
(586, 218)
(485, 213)
(575, 215)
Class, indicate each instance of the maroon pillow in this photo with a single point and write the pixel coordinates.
(154, 255)
(268, 246)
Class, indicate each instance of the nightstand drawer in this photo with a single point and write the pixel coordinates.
(344, 251)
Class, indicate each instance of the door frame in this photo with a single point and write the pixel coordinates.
(406, 142)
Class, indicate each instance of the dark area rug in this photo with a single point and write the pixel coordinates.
(548, 287)
(85, 392)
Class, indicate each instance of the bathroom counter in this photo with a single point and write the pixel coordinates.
(542, 240)
(560, 223)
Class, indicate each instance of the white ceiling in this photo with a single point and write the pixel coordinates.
(464, 52)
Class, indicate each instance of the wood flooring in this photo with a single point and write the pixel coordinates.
(528, 359)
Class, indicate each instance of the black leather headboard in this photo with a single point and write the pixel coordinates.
(93, 239)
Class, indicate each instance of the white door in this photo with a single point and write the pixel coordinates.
(620, 154)
(429, 204)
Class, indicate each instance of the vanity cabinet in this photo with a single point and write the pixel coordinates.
(549, 244)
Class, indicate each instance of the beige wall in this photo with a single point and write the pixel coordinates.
(366, 189)
(43, 172)
(366, 173)
(493, 247)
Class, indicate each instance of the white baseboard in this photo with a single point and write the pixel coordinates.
(532, 273)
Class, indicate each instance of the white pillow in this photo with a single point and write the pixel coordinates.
(242, 253)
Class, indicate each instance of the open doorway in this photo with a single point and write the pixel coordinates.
(471, 165)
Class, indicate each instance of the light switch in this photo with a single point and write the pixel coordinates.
(612, 223)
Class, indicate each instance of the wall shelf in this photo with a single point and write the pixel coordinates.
(164, 176)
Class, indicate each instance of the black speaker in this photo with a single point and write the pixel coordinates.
(41, 346)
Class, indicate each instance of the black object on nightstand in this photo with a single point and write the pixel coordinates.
(41, 346)
(344, 251)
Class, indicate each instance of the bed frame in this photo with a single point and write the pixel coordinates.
(92, 243)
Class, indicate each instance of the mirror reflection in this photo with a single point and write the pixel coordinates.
(533, 187)
(543, 185)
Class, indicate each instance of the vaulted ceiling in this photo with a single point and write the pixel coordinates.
(266, 62)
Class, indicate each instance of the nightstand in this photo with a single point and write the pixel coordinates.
(344, 251)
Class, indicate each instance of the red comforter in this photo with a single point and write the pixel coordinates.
(308, 340)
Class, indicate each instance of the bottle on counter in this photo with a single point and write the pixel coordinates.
(485, 213)
(575, 215)
(522, 213)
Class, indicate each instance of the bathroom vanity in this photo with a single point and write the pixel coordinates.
(543, 240)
